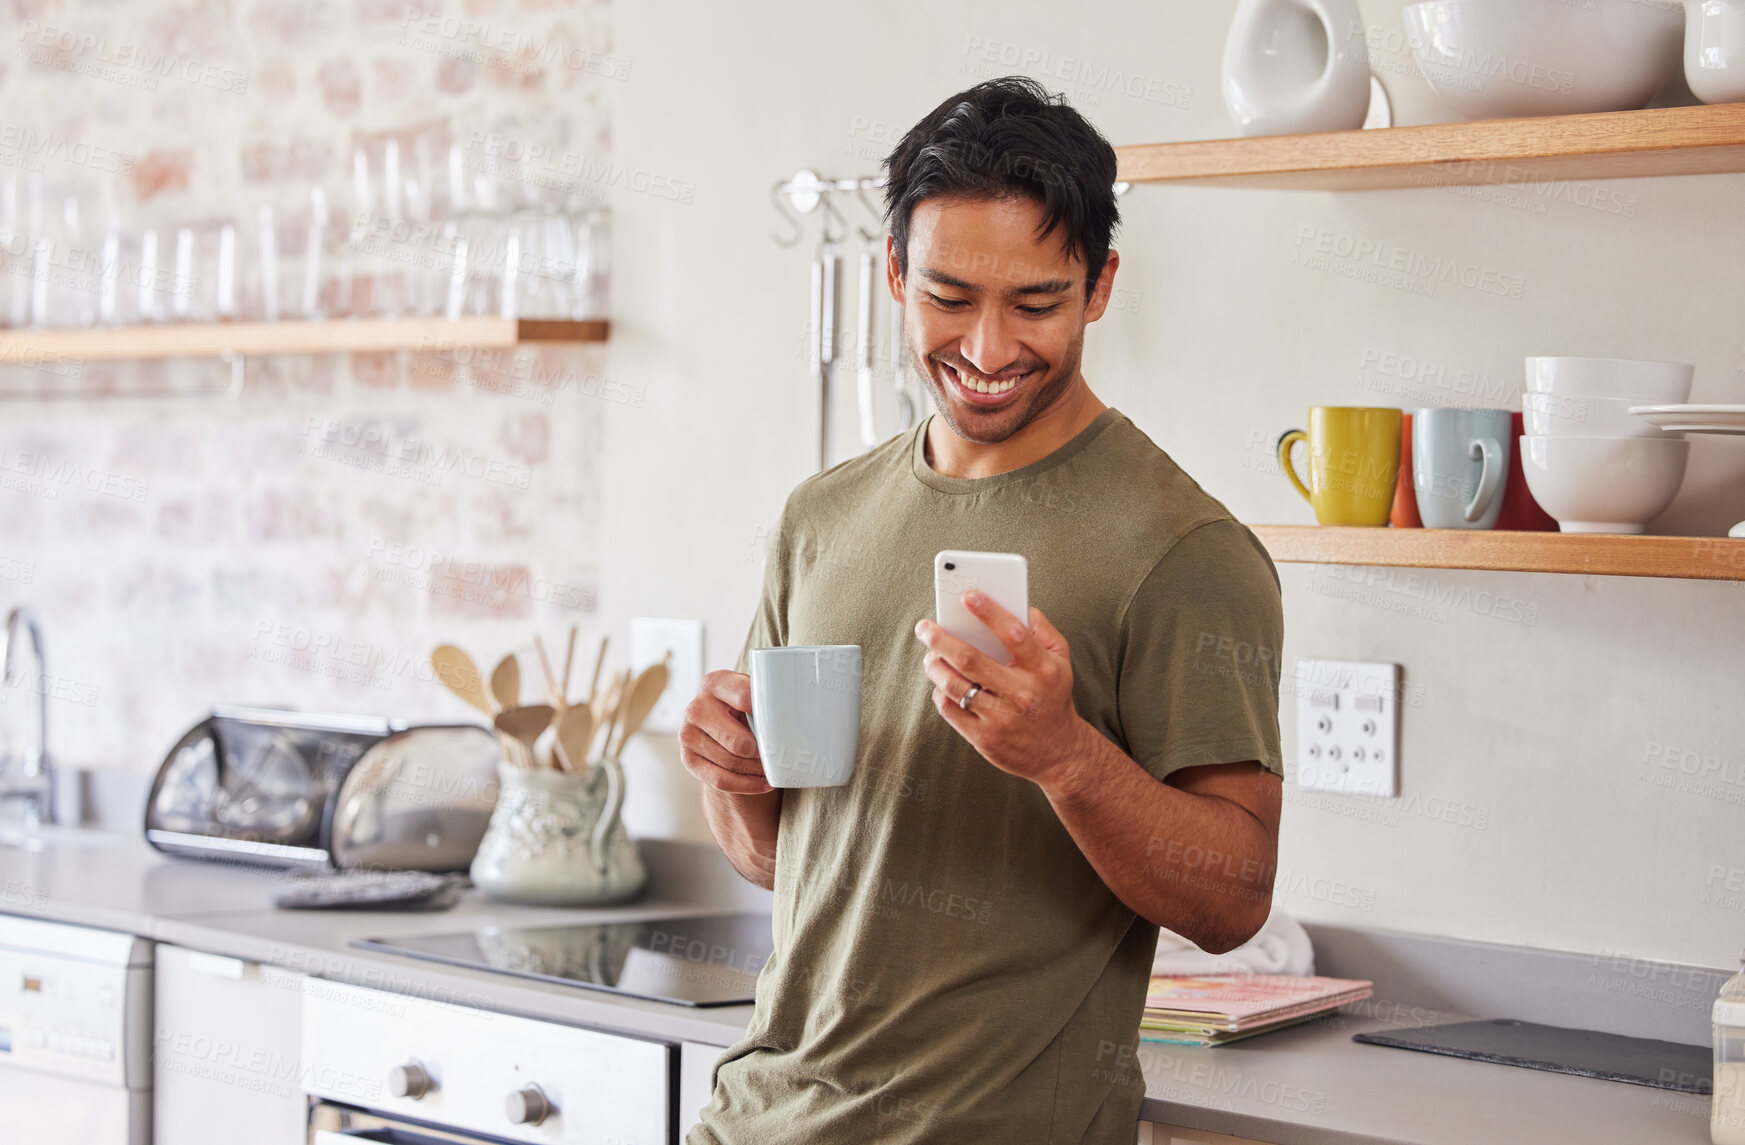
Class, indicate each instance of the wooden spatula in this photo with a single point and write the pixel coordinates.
(575, 730)
(523, 725)
(644, 694)
(460, 675)
(506, 682)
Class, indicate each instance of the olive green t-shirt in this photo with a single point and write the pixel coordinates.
(948, 966)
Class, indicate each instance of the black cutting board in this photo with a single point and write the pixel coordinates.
(1585, 1053)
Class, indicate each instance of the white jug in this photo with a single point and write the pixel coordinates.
(557, 839)
(1294, 66)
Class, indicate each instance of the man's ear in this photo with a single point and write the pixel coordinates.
(893, 273)
(1099, 300)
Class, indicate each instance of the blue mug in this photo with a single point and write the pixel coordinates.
(1460, 462)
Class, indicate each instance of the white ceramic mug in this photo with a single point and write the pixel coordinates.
(1714, 49)
(805, 713)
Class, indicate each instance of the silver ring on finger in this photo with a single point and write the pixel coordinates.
(969, 696)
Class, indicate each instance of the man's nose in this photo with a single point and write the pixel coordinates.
(991, 344)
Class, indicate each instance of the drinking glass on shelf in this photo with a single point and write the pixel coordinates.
(203, 279)
(153, 284)
(64, 278)
(592, 231)
(110, 276)
(264, 275)
(309, 281)
(14, 254)
(544, 265)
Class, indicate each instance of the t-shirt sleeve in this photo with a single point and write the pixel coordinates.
(1202, 636)
(769, 626)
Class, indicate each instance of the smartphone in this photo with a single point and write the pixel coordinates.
(1003, 576)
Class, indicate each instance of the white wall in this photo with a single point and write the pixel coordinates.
(1530, 811)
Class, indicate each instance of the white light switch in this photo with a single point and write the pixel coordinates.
(650, 640)
(1348, 727)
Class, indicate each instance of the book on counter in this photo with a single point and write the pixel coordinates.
(1212, 1009)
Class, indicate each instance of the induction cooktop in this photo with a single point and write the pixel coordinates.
(706, 960)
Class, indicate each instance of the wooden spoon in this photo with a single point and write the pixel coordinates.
(506, 682)
(594, 684)
(457, 672)
(575, 730)
(620, 696)
(551, 689)
(523, 725)
(606, 707)
(569, 656)
(644, 694)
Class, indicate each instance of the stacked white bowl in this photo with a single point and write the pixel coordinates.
(1590, 464)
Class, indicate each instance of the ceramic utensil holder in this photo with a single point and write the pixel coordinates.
(557, 839)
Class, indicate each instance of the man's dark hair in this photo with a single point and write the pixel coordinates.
(1009, 138)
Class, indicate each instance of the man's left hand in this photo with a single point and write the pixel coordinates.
(1023, 720)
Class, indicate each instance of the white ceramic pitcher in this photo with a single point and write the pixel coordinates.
(1294, 66)
(556, 839)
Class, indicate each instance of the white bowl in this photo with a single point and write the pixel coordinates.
(1604, 484)
(1577, 415)
(1497, 58)
(1714, 50)
(1648, 382)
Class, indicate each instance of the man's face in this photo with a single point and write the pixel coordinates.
(994, 316)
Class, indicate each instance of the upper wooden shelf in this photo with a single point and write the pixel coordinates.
(1608, 145)
(1599, 554)
(341, 335)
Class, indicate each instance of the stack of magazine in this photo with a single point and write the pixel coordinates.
(1220, 1008)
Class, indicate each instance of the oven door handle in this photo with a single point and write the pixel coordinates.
(342, 1125)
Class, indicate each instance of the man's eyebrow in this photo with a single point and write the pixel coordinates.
(1050, 286)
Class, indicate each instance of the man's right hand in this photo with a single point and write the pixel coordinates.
(714, 745)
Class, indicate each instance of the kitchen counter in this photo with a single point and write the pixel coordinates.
(1303, 1086)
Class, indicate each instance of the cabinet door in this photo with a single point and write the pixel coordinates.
(696, 1066)
(226, 1051)
(1152, 1133)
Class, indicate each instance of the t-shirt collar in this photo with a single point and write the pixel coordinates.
(928, 476)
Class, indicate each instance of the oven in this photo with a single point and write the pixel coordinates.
(379, 1066)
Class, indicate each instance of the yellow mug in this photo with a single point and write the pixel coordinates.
(1354, 463)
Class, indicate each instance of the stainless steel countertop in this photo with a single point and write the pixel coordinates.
(1305, 1086)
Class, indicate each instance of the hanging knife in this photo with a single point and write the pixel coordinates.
(869, 428)
(829, 270)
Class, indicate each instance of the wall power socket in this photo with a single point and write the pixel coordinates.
(650, 641)
(1348, 727)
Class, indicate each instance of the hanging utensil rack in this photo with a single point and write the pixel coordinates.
(808, 192)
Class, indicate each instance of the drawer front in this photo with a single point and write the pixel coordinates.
(602, 1089)
(1152, 1133)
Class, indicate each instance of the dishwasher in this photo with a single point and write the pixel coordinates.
(75, 1034)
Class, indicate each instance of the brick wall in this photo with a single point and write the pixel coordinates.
(311, 541)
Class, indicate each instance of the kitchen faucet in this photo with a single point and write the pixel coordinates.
(36, 772)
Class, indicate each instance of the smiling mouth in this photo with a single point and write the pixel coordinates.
(982, 391)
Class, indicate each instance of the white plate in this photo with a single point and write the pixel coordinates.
(1693, 418)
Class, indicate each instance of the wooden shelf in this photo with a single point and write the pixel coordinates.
(345, 335)
(1689, 558)
(1608, 145)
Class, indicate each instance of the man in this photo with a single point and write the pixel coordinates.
(964, 931)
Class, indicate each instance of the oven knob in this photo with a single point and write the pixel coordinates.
(527, 1106)
(409, 1080)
